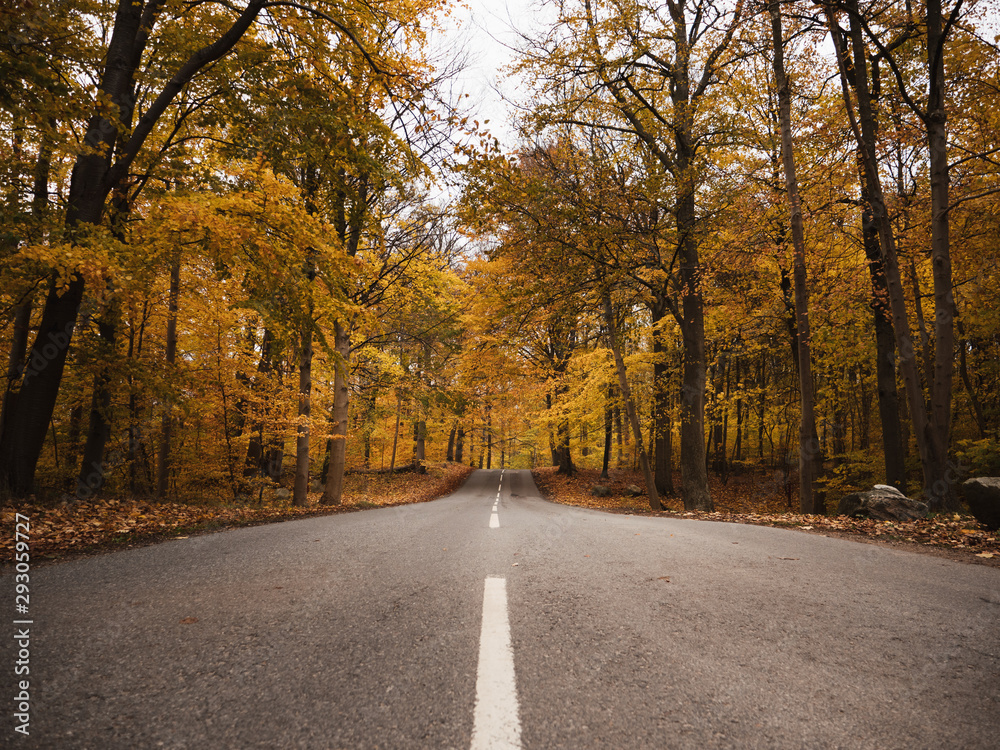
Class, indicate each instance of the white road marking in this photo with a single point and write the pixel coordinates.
(494, 521)
(496, 724)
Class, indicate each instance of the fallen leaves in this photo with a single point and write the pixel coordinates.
(748, 500)
(115, 523)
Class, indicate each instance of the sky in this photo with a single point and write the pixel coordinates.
(488, 31)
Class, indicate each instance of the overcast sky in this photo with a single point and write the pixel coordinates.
(487, 31)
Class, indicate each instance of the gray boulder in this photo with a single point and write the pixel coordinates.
(315, 486)
(282, 494)
(982, 495)
(599, 490)
(634, 491)
(883, 503)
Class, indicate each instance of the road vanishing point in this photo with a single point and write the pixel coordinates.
(495, 619)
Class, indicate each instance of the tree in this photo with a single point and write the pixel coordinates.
(810, 454)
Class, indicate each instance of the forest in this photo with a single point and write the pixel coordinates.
(262, 245)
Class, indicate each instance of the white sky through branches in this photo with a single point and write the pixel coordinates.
(489, 32)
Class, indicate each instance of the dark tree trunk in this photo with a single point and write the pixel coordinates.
(301, 488)
(622, 436)
(608, 433)
(662, 424)
(93, 472)
(885, 351)
(395, 433)
(256, 461)
(93, 179)
(489, 438)
(563, 454)
(450, 456)
(930, 434)
(18, 350)
(73, 438)
(942, 490)
(30, 407)
(173, 304)
(633, 417)
(810, 453)
(459, 444)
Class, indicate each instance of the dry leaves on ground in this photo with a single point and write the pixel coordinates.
(765, 503)
(100, 524)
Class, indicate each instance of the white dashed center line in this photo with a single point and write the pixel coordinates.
(496, 724)
(495, 519)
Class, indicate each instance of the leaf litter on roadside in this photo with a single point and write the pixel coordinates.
(753, 502)
(114, 523)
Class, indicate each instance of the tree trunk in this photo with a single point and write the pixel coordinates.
(419, 443)
(255, 461)
(136, 442)
(810, 453)
(333, 493)
(301, 488)
(459, 444)
(694, 471)
(18, 349)
(942, 491)
(163, 460)
(563, 454)
(93, 180)
(933, 460)
(621, 436)
(73, 438)
(93, 472)
(30, 407)
(395, 434)
(885, 350)
(489, 438)
(633, 418)
(24, 307)
(662, 427)
(608, 433)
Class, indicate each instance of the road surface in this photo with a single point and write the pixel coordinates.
(493, 618)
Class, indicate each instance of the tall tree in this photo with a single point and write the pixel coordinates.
(810, 452)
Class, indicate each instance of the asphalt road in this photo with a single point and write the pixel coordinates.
(364, 630)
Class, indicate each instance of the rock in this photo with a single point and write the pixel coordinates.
(282, 494)
(634, 491)
(315, 486)
(599, 490)
(883, 503)
(889, 489)
(982, 495)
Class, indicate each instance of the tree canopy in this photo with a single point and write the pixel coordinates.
(730, 238)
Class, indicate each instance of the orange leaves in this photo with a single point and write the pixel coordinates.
(110, 524)
(743, 500)
(375, 490)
